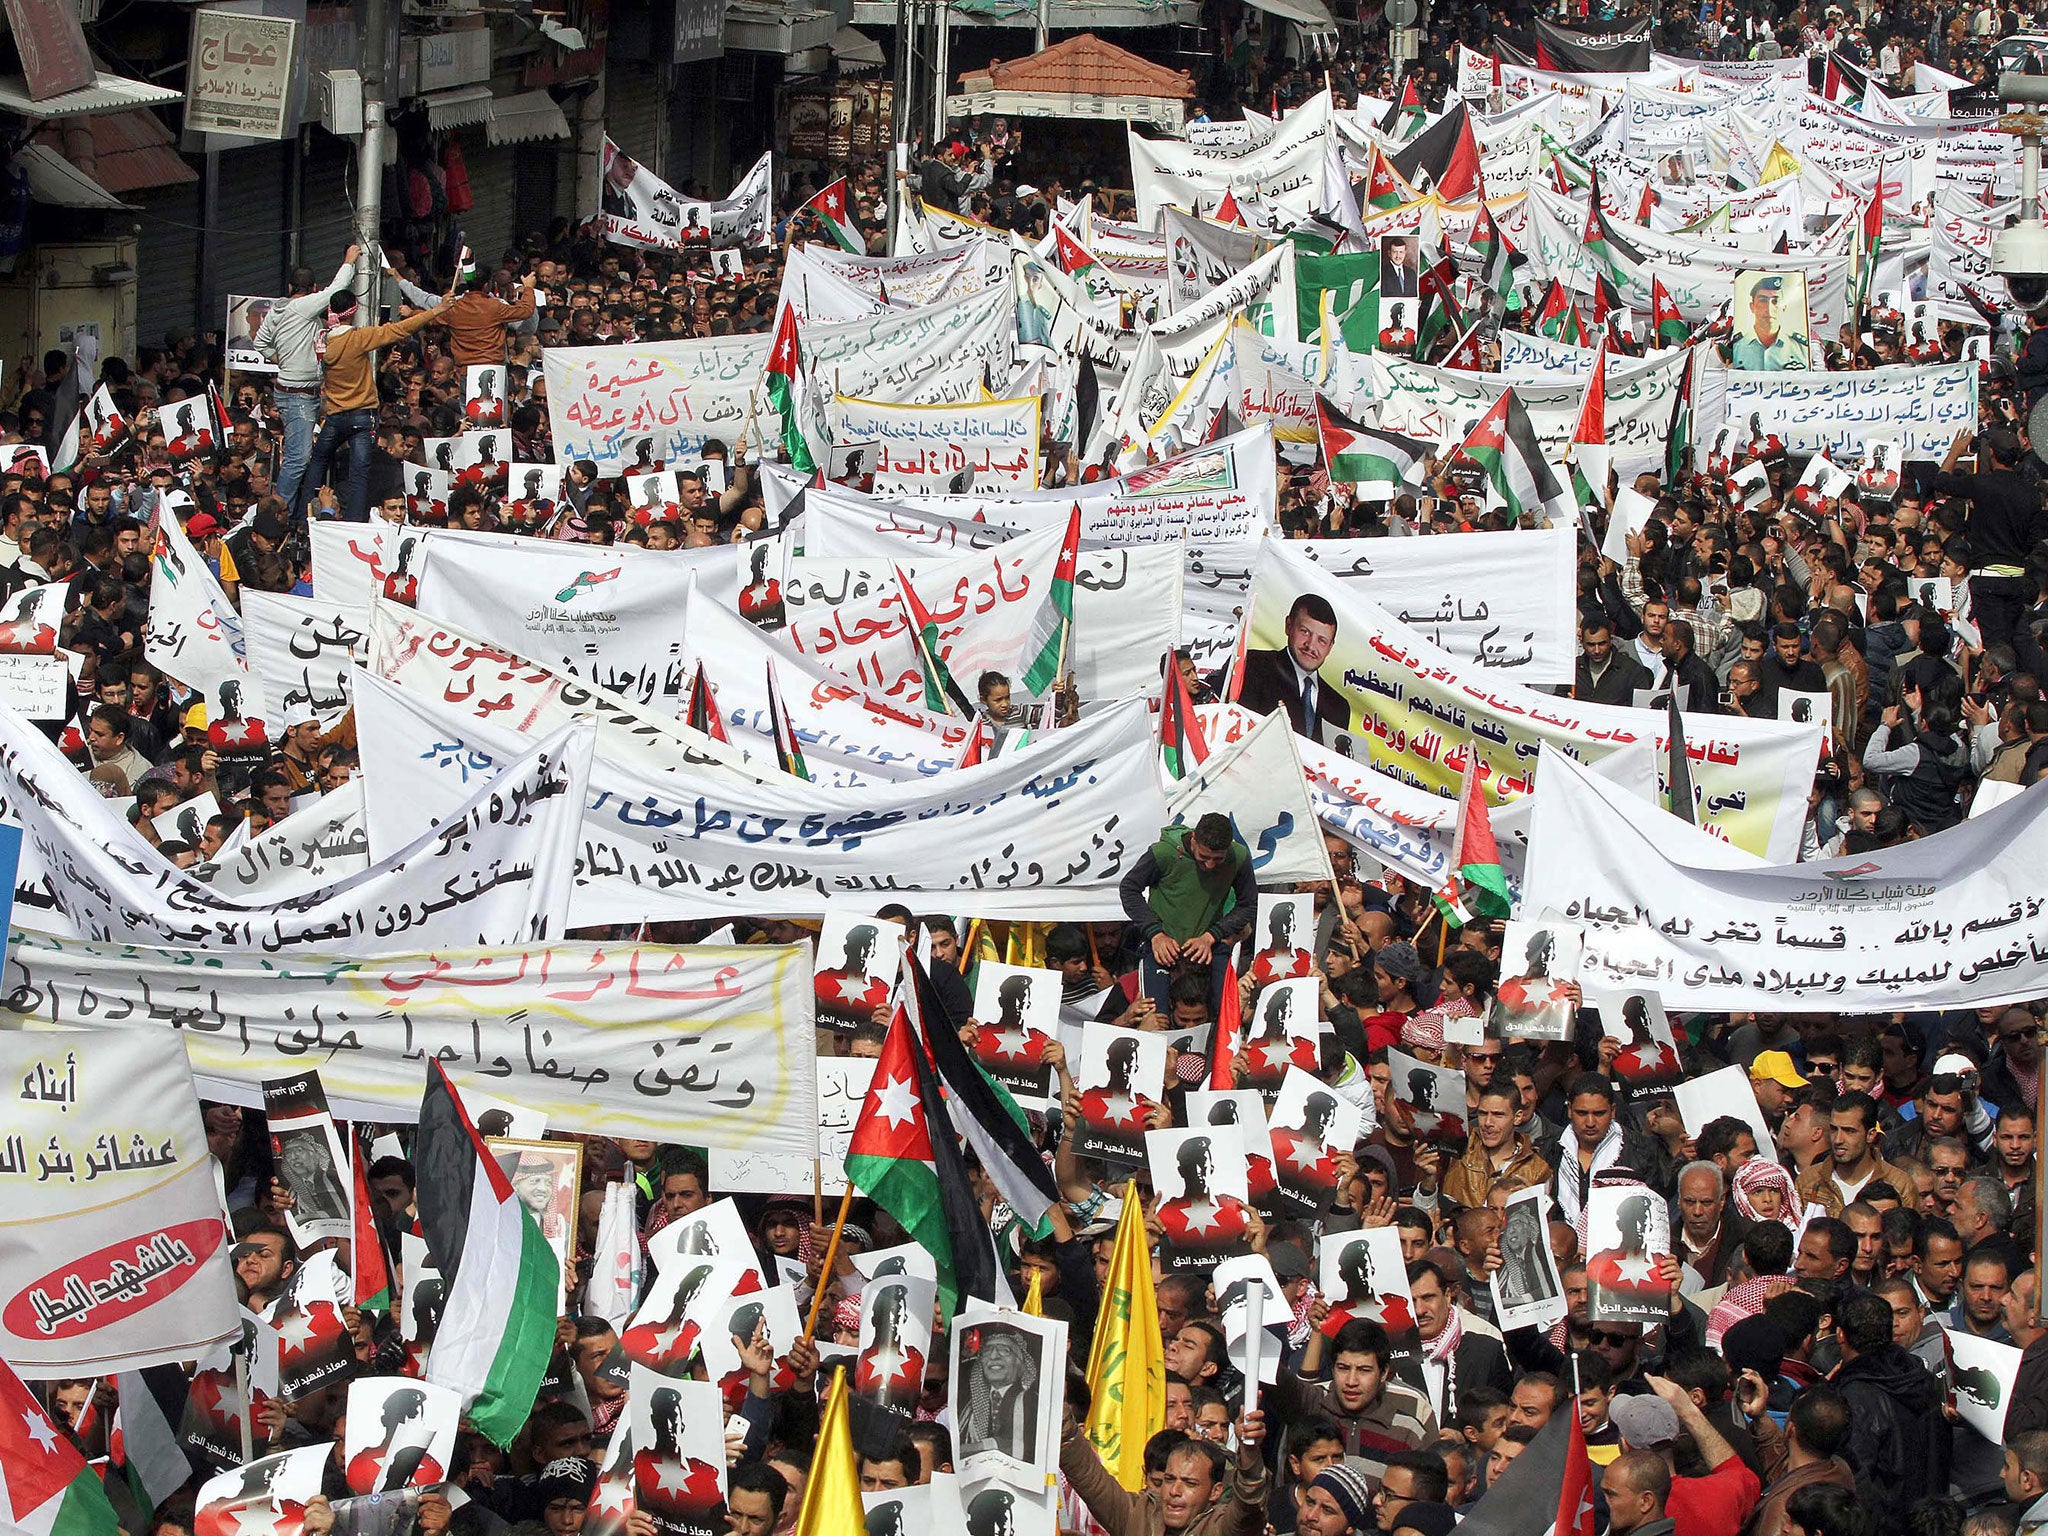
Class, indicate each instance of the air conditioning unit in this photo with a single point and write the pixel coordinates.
(341, 102)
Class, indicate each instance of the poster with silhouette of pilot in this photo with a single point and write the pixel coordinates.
(1283, 1028)
(678, 1430)
(497, 1119)
(400, 1433)
(1877, 481)
(714, 1231)
(1234, 1282)
(611, 1502)
(188, 427)
(186, 823)
(1539, 963)
(855, 969)
(313, 1344)
(764, 566)
(481, 457)
(1434, 1098)
(1527, 1288)
(1017, 1014)
(311, 1162)
(533, 486)
(756, 1324)
(1245, 1108)
(1204, 1193)
(1313, 1128)
(853, 465)
(1983, 1373)
(1364, 1276)
(419, 1316)
(210, 1427)
(483, 396)
(267, 1497)
(1645, 1052)
(1008, 1370)
(31, 618)
(895, 1344)
(1628, 1234)
(547, 1176)
(1121, 1078)
(675, 1318)
(1283, 937)
(1814, 709)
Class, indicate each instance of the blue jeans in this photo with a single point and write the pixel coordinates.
(300, 414)
(358, 431)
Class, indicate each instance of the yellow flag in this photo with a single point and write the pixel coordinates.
(1025, 944)
(1127, 1366)
(1034, 1295)
(1779, 162)
(832, 1492)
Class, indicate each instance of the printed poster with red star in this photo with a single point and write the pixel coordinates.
(678, 1430)
(211, 1429)
(855, 970)
(268, 1497)
(1628, 1234)
(1313, 1126)
(1017, 1013)
(895, 1342)
(313, 1344)
(1204, 1191)
(1282, 1029)
(1121, 1077)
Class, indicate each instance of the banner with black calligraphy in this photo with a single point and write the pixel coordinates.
(707, 1043)
(115, 1255)
(941, 448)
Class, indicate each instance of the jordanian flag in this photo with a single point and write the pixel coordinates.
(1441, 312)
(905, 1156)
(1589, 456)
(1556, 317)
(830, 207)
(1383, 188)
(1545, 1491)
(369, 1264)
(46, 1488)
(1052, 629)
(1079, 263)
(785, 390)
(1407, 116)
(1355, 454)
(1678, 441)
(1504, 445)
(502, 1284)
(1666, 323)
(1180, 732)
(789, 752)
(700, 710)
(1497, 257)
(942, 695)
(1477, 887)
(1871, 243)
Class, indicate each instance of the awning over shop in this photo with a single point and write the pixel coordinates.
(462, 107)
(1080, 77)
(57, 183)
(856, 52)
(131, 151)
(109, 93)
(527, 118)
(1309, 15)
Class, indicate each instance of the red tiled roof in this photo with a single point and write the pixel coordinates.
(133, 151)
(1083, 65)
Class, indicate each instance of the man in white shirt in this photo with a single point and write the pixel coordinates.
(289, 337)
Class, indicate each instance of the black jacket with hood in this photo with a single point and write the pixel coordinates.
(1898, 1440)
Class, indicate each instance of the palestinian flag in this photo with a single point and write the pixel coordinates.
(789, 752)
(942, 695)
(700, 709)
(1052, 630)
(1589, 451)
(502, 1284)
(1477, 887)
(1868, 246)
(369, 1264)
(1384, 189)
(1667, 325)
(1354, 454)
(46, 1488)
(1446, 152)
(905, 1156)
(1497, 257)
(1228, 1038)
(1678, 441)
(785, 389)
(830, 207)
(1504, 444)
(1180, 732)
(145, 1442)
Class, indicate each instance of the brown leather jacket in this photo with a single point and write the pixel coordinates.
(476, 325)
(1469, 1179)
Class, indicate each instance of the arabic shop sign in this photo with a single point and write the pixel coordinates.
(239, 80)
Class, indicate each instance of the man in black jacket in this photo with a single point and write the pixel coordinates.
(1686, 670)
(1898, 1440)
(1605, 675)
(2006, 522)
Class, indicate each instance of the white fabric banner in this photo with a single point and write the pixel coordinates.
(1920, 405)
(194, 634)
(909, 281)
(1043, 833)
(926, 448)
(1951, 921)
(116, 1255)
(587, 1035)
(1277, 185)
(351, 560)
(1257, 782)
(683, 392)
(605, 613)
(1504, 602)
(496, 871)
(323, 843)
(300, 649)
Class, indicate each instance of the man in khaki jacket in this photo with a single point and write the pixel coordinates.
(348, 396)
(1201, 1494)
(1496, 1154)
(1854, 1160)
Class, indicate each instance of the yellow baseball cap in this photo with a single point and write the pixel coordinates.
(195, 718)
(1775, 1067)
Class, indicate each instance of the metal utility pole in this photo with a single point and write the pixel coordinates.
(901, 110)
(370, 165)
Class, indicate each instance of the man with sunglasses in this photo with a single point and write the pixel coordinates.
(2012, 1077)
(1947, 1106)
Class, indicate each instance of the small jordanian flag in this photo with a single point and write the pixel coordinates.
(1504, 444)
(830, 207)
(1551, 320)
(701, 708)
(369, 1264)
(1871, 243)
(503, 1286)
(1227, 1040)
(1227, 211)
(1666, 323)
(1383, 185)
(1441, 311)
(1589, 455)
(1497, 257)
(1052, 630)
(785, 388)
(1466, 353)
(942, 695)
(1678, 441)
(1407, 115)
(789, 752)
(980, 741)
(1476, 887)
(1079, 263)
(1355, 454)
(1180, 732)
(48, 1489)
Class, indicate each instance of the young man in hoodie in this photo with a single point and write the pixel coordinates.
(1898, 1442)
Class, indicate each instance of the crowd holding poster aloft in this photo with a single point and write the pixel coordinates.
(917, 848)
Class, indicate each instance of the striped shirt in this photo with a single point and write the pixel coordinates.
(1399, 1419)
